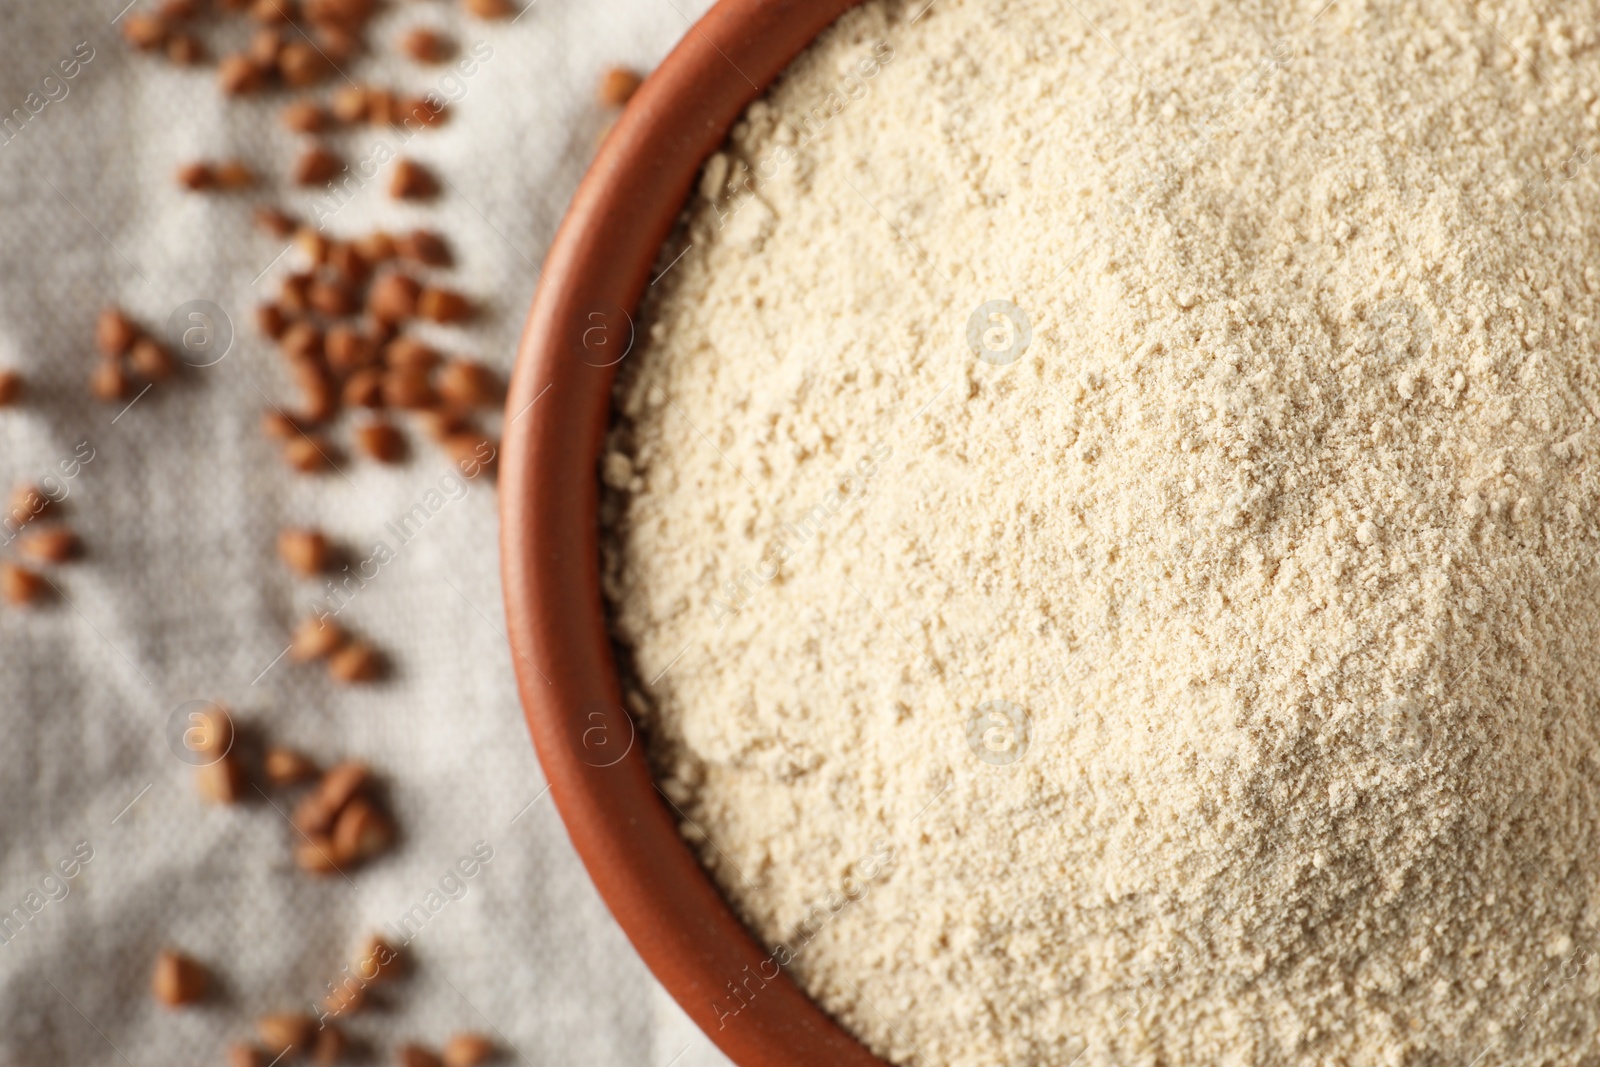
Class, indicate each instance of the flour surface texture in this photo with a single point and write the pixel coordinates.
(1101, 527)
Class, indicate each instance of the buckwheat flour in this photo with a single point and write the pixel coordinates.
(1104, 525)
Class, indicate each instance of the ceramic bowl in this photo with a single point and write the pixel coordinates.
(581, 326)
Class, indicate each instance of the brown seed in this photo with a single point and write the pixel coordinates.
(294, 293)
(424, 246)
(242, 1055)
(444, 422)
(316, 813)
(315, 638)
(408, 353)
(286, 766)
(315, 856)
(109, 381)
(416, 1056)
(317, 810)
(376, 247)
(347, 260)
(354, 663)
(238, 74)
(19, 585)
(49, 546)
(361, 831)
(364, 389)
(265, 44)
(318, 392)
(313, 817)
(468, 383)
(277, 426)
(305, 551)
(333, 299)
(412, 181)
(234, 175)
(300, 64)
(351, 103)
(177, 979)
(472, 451)
(146, 32)
(420, 112)
(377, 961)
(617, 86)
(152, 360)
(343, 782)
(197, 176)
(443, 305)
(28, 502)
(185, 50)
(314, 243)
(10, 387)
(209, 730)
(329, 1046)
(308, 453)
(393, 297)
(425, 45)
(316, 166)
(408, 390)
(319, 396)
(114, 332)
(221, 782)
(179, 10)
(277, 223)
(346, 998)
(272, 11)
(381, 331)
(490, 9)
(383, 109)
(320, 401)
(351, 15)
(302, 342)
(382, 441)
(338, 45)
(291, 1031)
(467, 1050)
(347, 348)
(306, 116)
(270, 320)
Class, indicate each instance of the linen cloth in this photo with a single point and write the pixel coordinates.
(179, 595)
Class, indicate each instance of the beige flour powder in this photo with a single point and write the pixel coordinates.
(1218, 680)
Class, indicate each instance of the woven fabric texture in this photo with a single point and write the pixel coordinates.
(179, 595)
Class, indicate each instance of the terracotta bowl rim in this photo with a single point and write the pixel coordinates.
(580, 326)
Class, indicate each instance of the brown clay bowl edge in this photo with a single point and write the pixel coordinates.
(557, 411)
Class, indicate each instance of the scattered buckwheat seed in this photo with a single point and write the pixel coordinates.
(222, 781)
(467, 1050)
(412, 181)
(49, 546)
(305, 551)
(355, 663)
(287, 766)
(177, 979)
(19, 585)
(617, 86)
(416, 1056)
(288, 1031)
(315, 639)
(316, 166)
